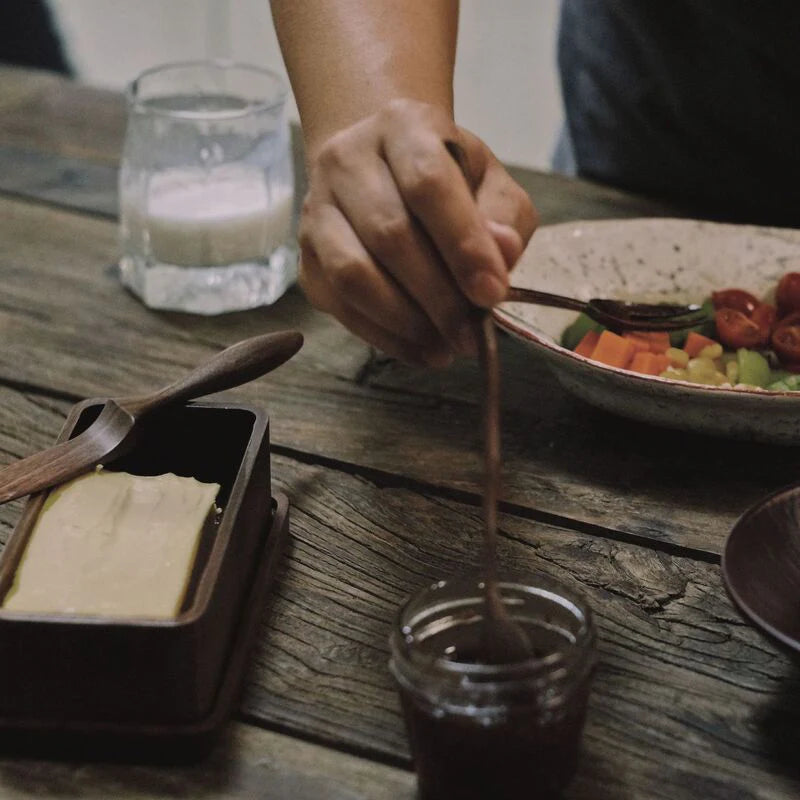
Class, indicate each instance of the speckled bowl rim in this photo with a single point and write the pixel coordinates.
(510, 323)
(519, 328)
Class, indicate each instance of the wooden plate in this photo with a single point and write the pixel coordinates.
(761, 566)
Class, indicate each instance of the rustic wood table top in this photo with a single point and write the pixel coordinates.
(382, 466)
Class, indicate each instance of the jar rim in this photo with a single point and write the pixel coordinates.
(251, 107)
(534, 668)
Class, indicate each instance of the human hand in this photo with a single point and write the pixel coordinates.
(396, 244)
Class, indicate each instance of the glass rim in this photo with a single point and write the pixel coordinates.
(221, 64)
(533, 667)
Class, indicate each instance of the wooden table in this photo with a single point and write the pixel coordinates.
(382, 466)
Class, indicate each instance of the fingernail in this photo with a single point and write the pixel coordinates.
(486, 289)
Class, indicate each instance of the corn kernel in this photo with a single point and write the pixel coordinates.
(700, 367)
(674, 374)
(678, 358)
(711, 351)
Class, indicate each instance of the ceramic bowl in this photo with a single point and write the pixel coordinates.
(655, 260)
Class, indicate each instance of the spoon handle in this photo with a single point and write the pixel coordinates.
(520, 295)
(237, 364)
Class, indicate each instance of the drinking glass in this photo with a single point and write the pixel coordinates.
(206, 188)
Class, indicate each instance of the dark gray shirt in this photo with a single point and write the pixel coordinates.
(694, 101)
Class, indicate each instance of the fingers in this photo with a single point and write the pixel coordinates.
(397, 244)
(509, 211)
(437, 195)
(508, 240)
(352, 275)
(323, 295)
(380, 220)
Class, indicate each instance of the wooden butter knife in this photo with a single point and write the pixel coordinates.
(113, 431)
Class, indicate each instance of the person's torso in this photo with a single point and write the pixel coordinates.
(696, 101)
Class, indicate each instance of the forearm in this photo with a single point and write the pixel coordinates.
(348, 58)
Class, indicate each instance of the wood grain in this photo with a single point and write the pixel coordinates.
(686, 695)
(381, 463)
(74, 331)
(689, 701)
(45, 112)
(248, 763)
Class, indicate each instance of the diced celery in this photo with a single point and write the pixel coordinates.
(574, 332)
(790, 383)
(753, 367)
(707, 327)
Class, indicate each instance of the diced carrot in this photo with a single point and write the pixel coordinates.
(587, 344)
(648, 363)
(660, 362)
(653, 341)
(695, 342)
(639, 342)
(613, 350)
(641, 362)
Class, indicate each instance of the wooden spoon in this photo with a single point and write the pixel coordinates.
(113, 431)
(504, 641)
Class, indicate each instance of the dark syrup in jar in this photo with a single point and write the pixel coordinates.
(518, 747)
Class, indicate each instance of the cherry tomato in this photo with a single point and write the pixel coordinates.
(786, 342)
(735, 329)
(787, 295)
(792, 318)
(735, 298)
(764, 316)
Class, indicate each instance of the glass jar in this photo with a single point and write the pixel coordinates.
(497, 731)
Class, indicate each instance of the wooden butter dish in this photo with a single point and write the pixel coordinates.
(143, 679)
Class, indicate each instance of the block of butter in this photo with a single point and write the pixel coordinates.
(114, 544)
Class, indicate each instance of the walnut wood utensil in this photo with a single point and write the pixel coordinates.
(113, 431)
(618, 315)
(504, 641)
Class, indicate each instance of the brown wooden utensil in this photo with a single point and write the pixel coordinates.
(504, 641)
(618, 315)
(113, 431)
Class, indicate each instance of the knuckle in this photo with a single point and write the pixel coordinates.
(310, 286)
(389, 233)
(308, 206)
(347, 273)
(336, 153)
(428, 175)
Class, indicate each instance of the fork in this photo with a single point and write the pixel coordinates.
(618, 314)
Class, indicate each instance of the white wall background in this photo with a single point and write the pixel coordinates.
(506, 86)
